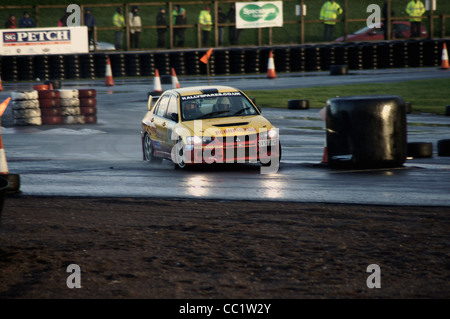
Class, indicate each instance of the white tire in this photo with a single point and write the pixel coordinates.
(68, 94)
(26, 95)
(28, 121)
(25, 104)
(70, 110)
(72, 102)
(25, 113)
(73, 119)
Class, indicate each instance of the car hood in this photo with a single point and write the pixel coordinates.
(229, 126)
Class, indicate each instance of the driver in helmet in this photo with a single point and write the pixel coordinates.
(223, 104)
(190, 110)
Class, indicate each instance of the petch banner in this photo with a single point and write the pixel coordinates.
(34, 41)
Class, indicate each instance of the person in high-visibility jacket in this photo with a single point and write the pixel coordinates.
(329, 12)
(119, 22)
(415, 9)
(205, 21)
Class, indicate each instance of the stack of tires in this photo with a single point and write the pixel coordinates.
(88, 105)
(70, 107)
(50, 105)
(25, 108)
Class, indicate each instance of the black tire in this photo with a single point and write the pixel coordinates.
(180, 159)
(298, 104)
(447, 110)
(338, 69)
(443, 147)
(419, 149)
(14, 182)
(147, 148)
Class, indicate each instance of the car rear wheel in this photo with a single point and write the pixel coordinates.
(148, 150)
(180, 155)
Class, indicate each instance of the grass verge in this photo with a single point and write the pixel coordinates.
(425, 96)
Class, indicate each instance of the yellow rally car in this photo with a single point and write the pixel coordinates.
(208, 124)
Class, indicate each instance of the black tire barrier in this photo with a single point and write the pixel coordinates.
(443, 147)
(358, 136)
(447, 110)
(292, 58)
(298, 104)
(338, 69)
(420, 150)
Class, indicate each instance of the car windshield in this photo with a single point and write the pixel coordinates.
(215, 105)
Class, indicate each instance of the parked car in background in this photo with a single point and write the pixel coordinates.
(400, 30)
(102, 46)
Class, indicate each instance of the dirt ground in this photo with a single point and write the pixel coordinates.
(161, 249)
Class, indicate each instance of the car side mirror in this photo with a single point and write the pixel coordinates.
(149, 102)
(174, 117)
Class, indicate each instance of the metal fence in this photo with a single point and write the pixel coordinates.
(297, 29)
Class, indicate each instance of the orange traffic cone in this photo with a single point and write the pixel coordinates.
(271, 67)
(108, 76)
(157, 82)
(175, 83)
(325, 155)
(445, 65)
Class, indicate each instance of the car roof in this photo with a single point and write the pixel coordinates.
(193, 90)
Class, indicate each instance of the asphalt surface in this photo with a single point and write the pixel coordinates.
(105, 159)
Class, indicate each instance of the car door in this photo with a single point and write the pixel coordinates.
(171, 116)
(159, 121)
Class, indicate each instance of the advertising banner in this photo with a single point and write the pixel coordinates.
(259, 14)
(34, 41)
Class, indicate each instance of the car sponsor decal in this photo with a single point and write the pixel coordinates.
(199, 96)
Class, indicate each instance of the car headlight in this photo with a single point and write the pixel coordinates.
(199, 140)
(272, 133)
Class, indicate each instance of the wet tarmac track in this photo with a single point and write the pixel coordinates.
(105, 159)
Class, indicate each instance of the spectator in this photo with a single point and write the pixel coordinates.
(329, 12)
(205, 22)
(134, 21)
(90, 22)
(11, 22)
(63, 21)
(222, 18)
(415, 9)
(233, 33)
(119, 22)
(161, 22)
(179, 18)
(25, 21)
